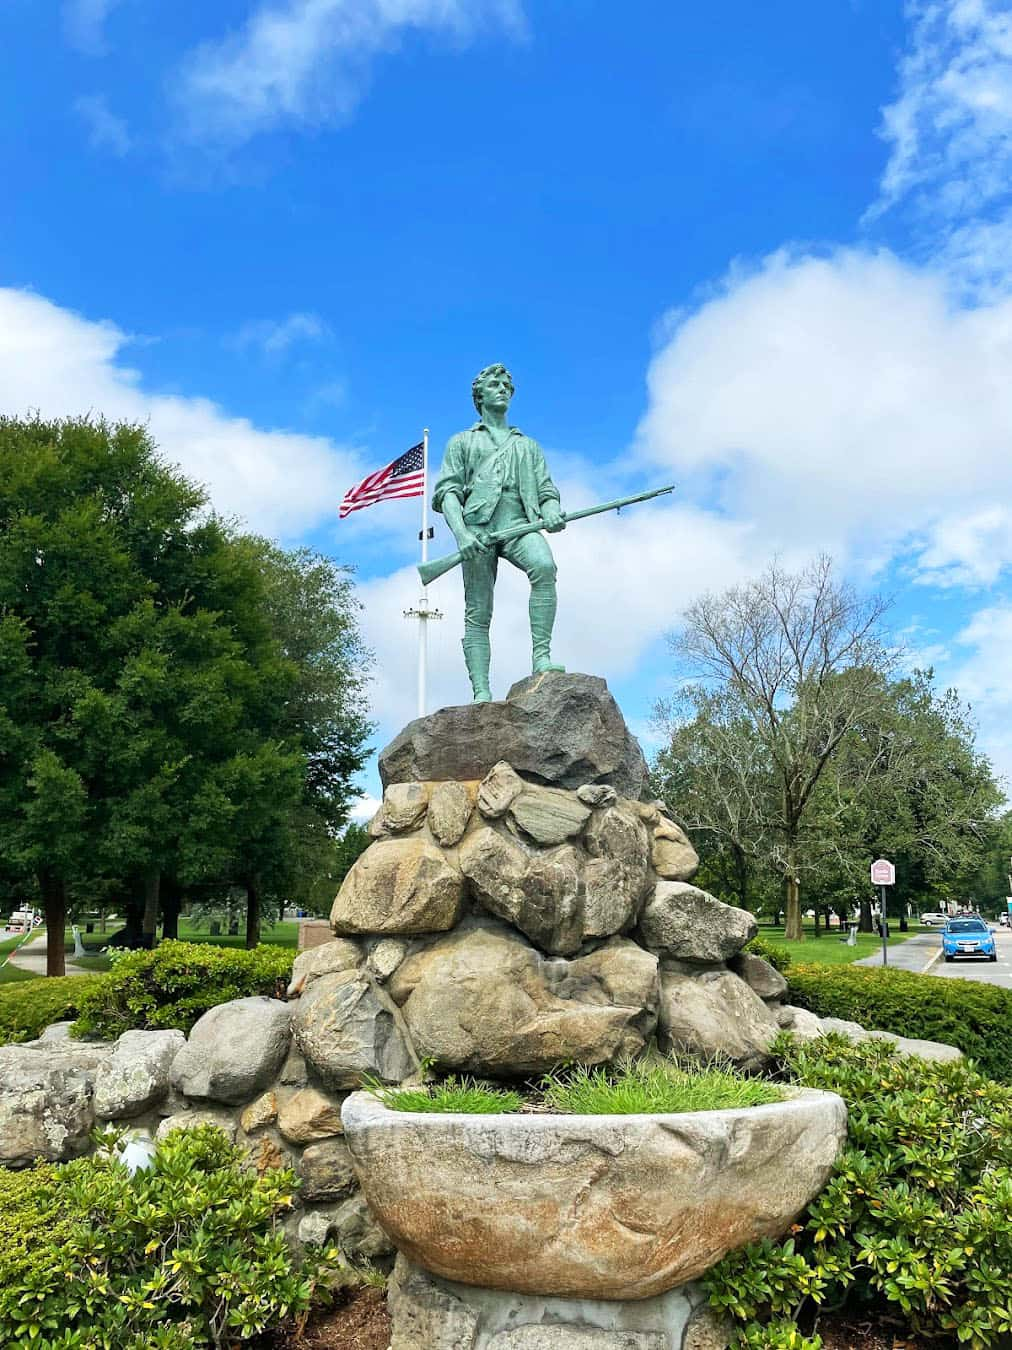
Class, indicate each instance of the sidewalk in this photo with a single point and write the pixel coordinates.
(31, 955)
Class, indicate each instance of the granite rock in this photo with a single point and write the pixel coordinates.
(406, 885)
(714, 1015)
(235, 1050)
(135, 1077)
(683, 922)
(347, 1029)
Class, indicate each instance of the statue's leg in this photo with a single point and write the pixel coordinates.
(533, 555)
(479, 588)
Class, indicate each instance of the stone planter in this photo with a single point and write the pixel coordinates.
(603, 1207)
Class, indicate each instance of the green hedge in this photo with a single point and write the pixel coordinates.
(769, 951)
(975, 1017)
(28, 1007)
(175, 984)
(915, 1221)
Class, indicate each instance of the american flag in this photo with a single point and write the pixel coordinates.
(403, 477)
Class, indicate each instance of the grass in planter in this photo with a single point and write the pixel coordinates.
(642, 1089)
(464, 1095)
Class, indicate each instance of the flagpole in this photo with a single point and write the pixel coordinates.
(423, 609)
(424, 612)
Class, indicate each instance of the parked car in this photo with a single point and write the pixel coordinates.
(1004, 920)
(934, 920)
(968, 937)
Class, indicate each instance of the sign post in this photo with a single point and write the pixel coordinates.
(883, 874)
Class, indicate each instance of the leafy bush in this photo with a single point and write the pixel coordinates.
(28, 1007)
(187, 1253)
(917, 1213)
(769, 951)
(175, 984)
(976, 1017)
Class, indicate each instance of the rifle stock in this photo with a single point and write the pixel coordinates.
(430, 571)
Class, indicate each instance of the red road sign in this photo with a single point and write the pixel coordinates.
(883, 873)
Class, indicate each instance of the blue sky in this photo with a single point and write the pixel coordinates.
(761, 251)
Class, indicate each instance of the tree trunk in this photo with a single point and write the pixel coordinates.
(172, 901)
(149, 924)
(741, 874)
(54, 904)
(252, 912)
(865, 923)
(793, 930)
(817, 912)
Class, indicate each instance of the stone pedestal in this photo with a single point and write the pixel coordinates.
(429, 1313)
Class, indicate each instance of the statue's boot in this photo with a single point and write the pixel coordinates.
(542, 612)
(478, 658)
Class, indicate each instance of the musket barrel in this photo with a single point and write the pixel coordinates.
(430, 571)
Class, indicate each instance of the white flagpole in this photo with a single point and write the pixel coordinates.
(423, 613)
(423, 609)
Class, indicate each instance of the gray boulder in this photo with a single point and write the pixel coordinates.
(714, 1015)
(485, 1001)
(403, 885)
(404, 806)
(45, 1104)
(136, 1075)
(192, 1120)
(683, 922)
(759, 975)
(347, 1028)
(327, 959)
(350, 1225)
(548, 815)
(234, 1051)
(561, 730)
(801, 1023)
(326, 1170)
(539, 893)
(498, 789)
(450, 808)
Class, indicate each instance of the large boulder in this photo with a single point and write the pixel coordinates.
(484, 1000)
(450, 807)
(326, 959)
(688, 924)
(714, 1015)
(560, 730)
(45, 1104)
(537, 892)
(589, 1206)
(136, 1075)
(759, 975)
(405, 885)
(235, 1050)
(348, 1029)
(547, 816)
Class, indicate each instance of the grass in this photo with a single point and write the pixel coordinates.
(453, 1095)
(280, 935)
(632, 1090)
(645, 1089)
(828, 950)
(14, 974)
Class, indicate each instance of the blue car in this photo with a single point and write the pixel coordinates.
(968, 937)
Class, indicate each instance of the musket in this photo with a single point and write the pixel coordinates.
(429, 571)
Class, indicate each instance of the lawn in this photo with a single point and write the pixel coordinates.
(828, 950)
(280, 935)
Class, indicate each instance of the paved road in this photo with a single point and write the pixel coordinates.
(923, 953)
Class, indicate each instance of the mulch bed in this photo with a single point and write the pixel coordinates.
(858, 1333)
(360, 1322)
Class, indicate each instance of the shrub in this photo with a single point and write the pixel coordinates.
(187, 1253)
(175, 984)
(975, 1017)
(769, 951)
(28, 1007)
(917, 1213)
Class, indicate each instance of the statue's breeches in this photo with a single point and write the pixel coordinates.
(530, 553)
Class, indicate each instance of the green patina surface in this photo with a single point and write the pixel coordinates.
(493, 477)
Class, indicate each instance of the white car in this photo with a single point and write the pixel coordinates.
(934, 920)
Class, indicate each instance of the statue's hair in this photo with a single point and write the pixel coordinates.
(479, 379)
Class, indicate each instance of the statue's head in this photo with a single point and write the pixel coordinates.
(495, 383)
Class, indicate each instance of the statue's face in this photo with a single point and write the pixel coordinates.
(496, 392)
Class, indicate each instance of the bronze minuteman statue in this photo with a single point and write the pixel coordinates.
(494, 477)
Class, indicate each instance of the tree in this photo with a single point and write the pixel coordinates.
(800, 659)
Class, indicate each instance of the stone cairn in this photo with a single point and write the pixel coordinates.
(521, 907)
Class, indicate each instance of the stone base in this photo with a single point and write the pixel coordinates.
(313, 933)
(429, 1313)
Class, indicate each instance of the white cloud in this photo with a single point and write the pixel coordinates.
(982, 679)
(364, 809)
(305, 63)
(843, 403)
(59, 363)
(106, 131)
(950, 133)
(84, 23)
(622, 583)
(275, 336)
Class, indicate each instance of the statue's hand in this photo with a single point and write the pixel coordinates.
(551, 514)
(471, 543)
